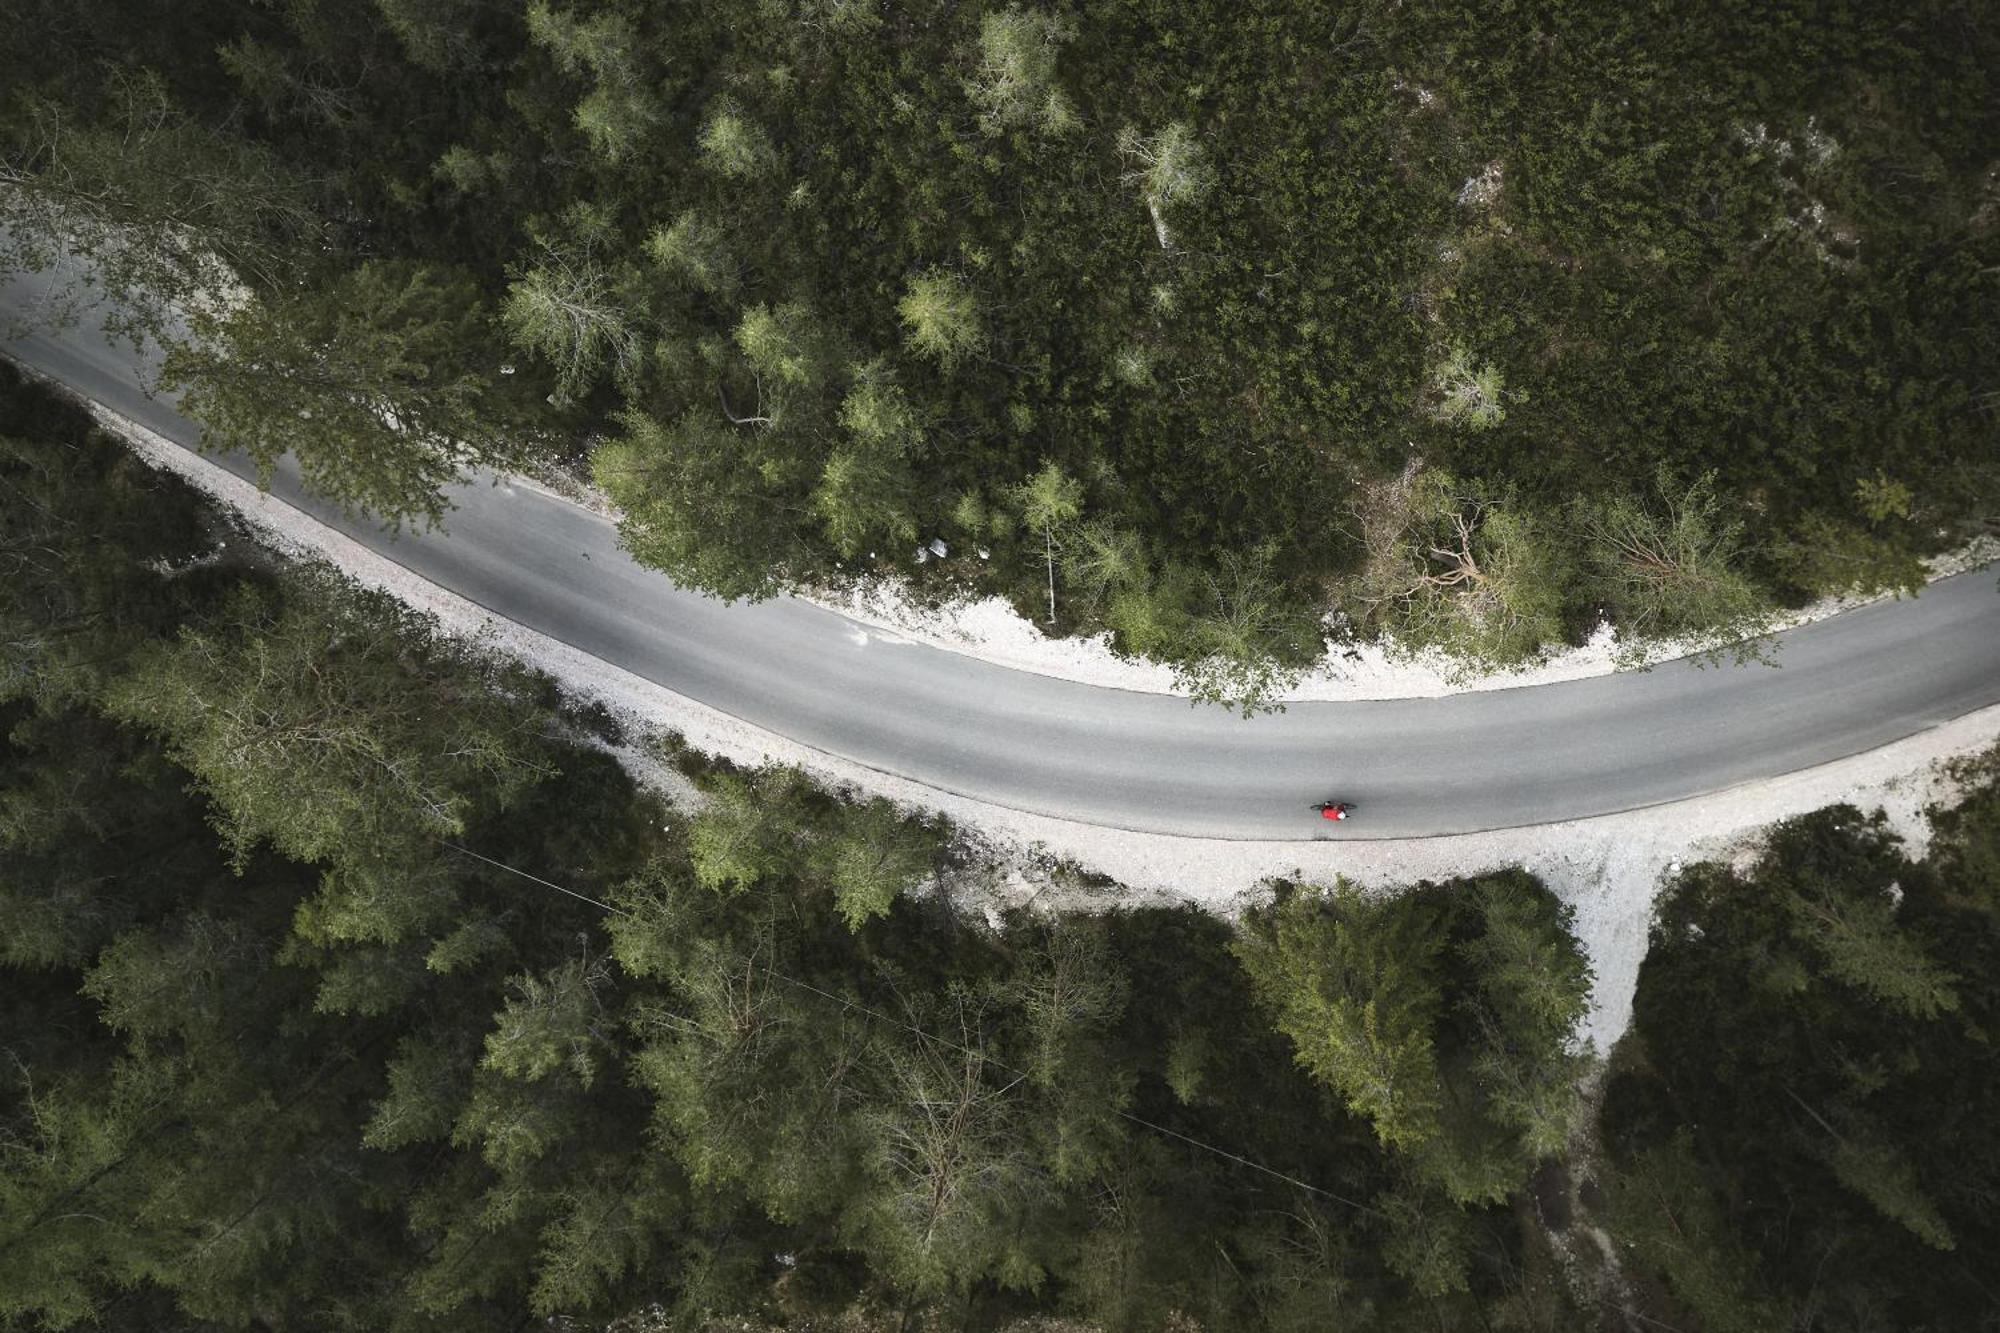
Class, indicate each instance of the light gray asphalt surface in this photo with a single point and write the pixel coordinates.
(1151, 762)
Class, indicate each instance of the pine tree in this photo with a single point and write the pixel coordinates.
(571, 307)
(942, 316)
(619, 110)
(1016, 80)
(1452, 568)
(1049, 501)
(166, 211)
(695, 250)
(693, 507)
(342, 730)
(1356, 989)
(370, 382)
(734, 146)
(872, 855)
(749, 830)
(1674, 568)
(1661, 1208)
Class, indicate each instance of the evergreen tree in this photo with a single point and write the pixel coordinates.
(370, 383)
(942, 317)
(340, 729)
(1673, 570)
(97, 549)
(1468, 1072)
(1357, 990)
(694, 249)
(1016, 78)
(167, 212)
(871, 856)
(691, 508)
(1049, 500)
(619, 110)
(1800, 1081)
(1450, 569)
(569, 306)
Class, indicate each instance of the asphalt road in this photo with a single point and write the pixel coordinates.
(1150, 762)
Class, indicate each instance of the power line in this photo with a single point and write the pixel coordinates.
(502, 865)
(847, 1003)
(1127, 1115)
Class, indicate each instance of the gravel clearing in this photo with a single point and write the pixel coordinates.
(1608, 868)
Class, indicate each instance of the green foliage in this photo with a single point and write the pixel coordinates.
(879, 414)
(1474, 397)
(873, 856)
(1173, 169)
(1467, 1071)
(865, 494)
(733, 146)
(941, 316)
(1660, 1206)
(689, 508)
(747, 831)
(1428, 1244)
(1101, 560)
(1172, 173)
(1448, 567)
(440, 35)
(1016, 78)
(695, 250)
(1827, 557)
(1049, 499)
(423, 1094)
(558, 1021)
(862, 502)
(97, 547)
(1857, 939)
(1674, 568)
(781, 345)
(359, 1081)
(1749, 241)
(372, 383)
(618, 112)
(164, 207)
(567, 307)
(331, 727)
(1243, 642)
(1357, 991)
(1752, 247)
(1881, 499)
(1807, 1074)
(1884, 1176)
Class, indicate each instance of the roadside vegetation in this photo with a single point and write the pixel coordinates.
(351, 981)
(1212, 325)
(352, 984)
(1800, 1123)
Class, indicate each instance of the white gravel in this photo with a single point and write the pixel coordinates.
(1608, 868)
(990, 629)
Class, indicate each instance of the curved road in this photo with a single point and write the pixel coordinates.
(1150, 762)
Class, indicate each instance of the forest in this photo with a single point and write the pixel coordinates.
(352, 984)
(1221, 328)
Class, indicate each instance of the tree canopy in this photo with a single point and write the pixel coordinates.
(352, 984)
(1690, 314)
